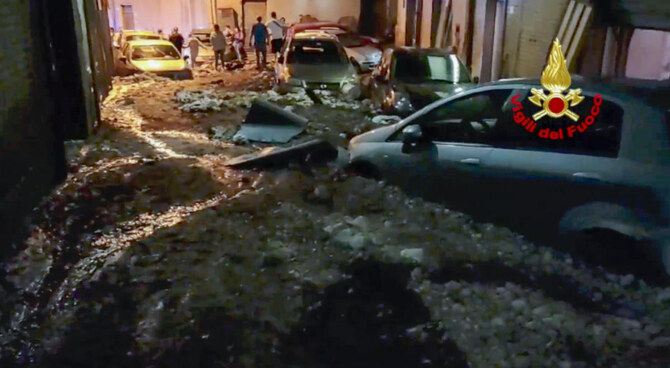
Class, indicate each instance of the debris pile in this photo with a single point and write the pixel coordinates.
(198, 101)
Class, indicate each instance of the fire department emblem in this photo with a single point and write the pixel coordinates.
(556, 79)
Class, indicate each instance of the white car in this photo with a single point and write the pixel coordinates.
(363, 51)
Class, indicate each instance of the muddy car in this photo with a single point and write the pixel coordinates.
(152, 56)
(410, 78)
(316, 60)
(478, 152)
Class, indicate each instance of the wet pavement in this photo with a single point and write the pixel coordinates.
(154, 253)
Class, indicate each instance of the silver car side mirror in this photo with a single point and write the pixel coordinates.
(412, 133)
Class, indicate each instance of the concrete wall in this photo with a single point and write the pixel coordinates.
(189, 14)
(165, 14)
(649, 55)
(330, 10)
(478, 37)
(459, 9)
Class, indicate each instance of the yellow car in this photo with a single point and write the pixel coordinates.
(153, 56)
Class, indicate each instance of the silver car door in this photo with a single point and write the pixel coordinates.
(460, 129)
(535, 179)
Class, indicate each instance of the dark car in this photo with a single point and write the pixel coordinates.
(410, 78)
(605, 178)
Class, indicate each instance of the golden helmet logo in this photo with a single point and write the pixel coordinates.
(556, 79)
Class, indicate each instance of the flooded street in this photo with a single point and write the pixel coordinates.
(154, 253)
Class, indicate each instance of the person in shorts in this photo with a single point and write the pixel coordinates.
(276, 29)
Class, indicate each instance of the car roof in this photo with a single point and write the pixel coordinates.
(301, 27)
(150, 43)
(202, 30)
(315, 35)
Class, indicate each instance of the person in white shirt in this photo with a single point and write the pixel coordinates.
(276, 29)
(194, 45)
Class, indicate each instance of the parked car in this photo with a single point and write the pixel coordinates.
(153, 56)
(133, 35)
(470, 151)
(410, 78)
(312, 27)
(365, 52)
(316, 60)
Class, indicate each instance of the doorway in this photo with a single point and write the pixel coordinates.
(251, 11)
(127, 17)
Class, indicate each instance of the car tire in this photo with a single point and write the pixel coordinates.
(618, 253)
(364, 169)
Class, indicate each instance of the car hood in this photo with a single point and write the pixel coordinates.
(364, 53)
(327, 73)
(376, 135)
(160, 65)
(425, 93)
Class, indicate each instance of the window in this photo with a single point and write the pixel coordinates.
(155, 52)
(602, 138)
(418, 68)
(469, 119)
(315, 52)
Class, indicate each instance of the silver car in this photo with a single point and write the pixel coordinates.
(316, 60)
(603, 180)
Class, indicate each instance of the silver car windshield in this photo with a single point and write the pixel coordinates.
(316, 52)
(413, 68)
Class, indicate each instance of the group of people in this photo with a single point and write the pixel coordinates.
(263, 35)
(271, 34)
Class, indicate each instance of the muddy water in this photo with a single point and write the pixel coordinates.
(154, 254)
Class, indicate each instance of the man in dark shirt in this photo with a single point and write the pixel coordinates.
(177, 39)
(260, 39)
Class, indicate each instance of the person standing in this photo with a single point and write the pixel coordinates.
(218, 40)
(194, 44)
(238, 43)
(161, 34)
(276, 29)
(177, 39)
(260, 40)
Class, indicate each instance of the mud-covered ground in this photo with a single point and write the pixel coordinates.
(154, 254)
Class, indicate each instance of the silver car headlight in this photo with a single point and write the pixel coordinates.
(375, 58)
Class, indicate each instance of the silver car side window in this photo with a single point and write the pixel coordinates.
(470, 119)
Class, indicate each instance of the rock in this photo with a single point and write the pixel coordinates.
(348, 238)
(323, 192)
(519, 304)
(412, 254)
(385, 119)
(627, 280)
